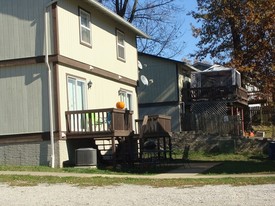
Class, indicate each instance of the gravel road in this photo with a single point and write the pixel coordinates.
(129, 195)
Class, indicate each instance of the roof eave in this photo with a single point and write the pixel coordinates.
(171, 60)
(117, 18)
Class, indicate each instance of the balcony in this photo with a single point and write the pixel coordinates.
(98, 123)
(221, 93)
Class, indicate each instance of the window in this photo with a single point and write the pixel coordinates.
(85, 27)
(120, 45)
(126, 97)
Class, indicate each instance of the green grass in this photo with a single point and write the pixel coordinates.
(235, 163)
(243, 167)
(149, 170)
(49, 169)
(200, 156)
(25, 180)
(230, 164)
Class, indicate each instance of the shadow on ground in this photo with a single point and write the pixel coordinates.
(242, 167)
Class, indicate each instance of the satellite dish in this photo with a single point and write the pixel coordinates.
(139, 65)
(144, 80)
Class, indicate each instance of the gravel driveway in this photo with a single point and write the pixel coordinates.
(128, 195)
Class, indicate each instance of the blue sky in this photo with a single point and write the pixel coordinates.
(186, 20)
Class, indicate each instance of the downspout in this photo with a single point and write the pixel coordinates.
(49, 81)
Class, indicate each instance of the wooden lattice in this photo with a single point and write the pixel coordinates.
(213, 118)
(209, 108)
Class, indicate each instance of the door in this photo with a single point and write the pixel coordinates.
(126, 97)
(76, 101)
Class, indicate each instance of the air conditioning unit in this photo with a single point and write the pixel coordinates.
(85, 157)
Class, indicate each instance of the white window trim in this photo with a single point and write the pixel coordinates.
(118, 32)
(83, 12)
(126, 93)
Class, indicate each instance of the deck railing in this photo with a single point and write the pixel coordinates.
(230, 93)
(98, 120)
(155, 124)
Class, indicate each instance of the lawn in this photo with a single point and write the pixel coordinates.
(230, 164)
(240, 164)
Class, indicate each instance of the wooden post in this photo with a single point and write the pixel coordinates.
(261, 114)
(158, 147)
(114, 151)
(164, 147)
(144, 123)
(238, 127)
(170, 148)
(242, 114)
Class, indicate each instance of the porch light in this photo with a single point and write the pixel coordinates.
(90, 84)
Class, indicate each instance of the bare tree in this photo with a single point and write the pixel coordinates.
(157, 18)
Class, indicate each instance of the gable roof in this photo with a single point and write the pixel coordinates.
(216, 67)
(171, 60)
(201, 65)
(116, 17)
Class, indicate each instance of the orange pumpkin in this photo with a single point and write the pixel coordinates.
(120, 105)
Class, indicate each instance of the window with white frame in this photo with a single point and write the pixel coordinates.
(120, 39)
(85, 27)
(126, 97)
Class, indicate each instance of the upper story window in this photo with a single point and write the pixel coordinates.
(120, 39)
(85, 27)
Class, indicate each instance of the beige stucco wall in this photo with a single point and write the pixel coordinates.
(61, 152)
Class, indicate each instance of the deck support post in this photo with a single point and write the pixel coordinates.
(114, 151)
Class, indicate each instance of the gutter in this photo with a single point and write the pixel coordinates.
(46, 11)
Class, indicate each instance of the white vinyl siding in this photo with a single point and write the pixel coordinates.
(120, 45)
(85, 27)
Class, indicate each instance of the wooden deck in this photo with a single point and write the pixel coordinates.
(215, 110)
(229, 93)
(99, 123)
(113, 129)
